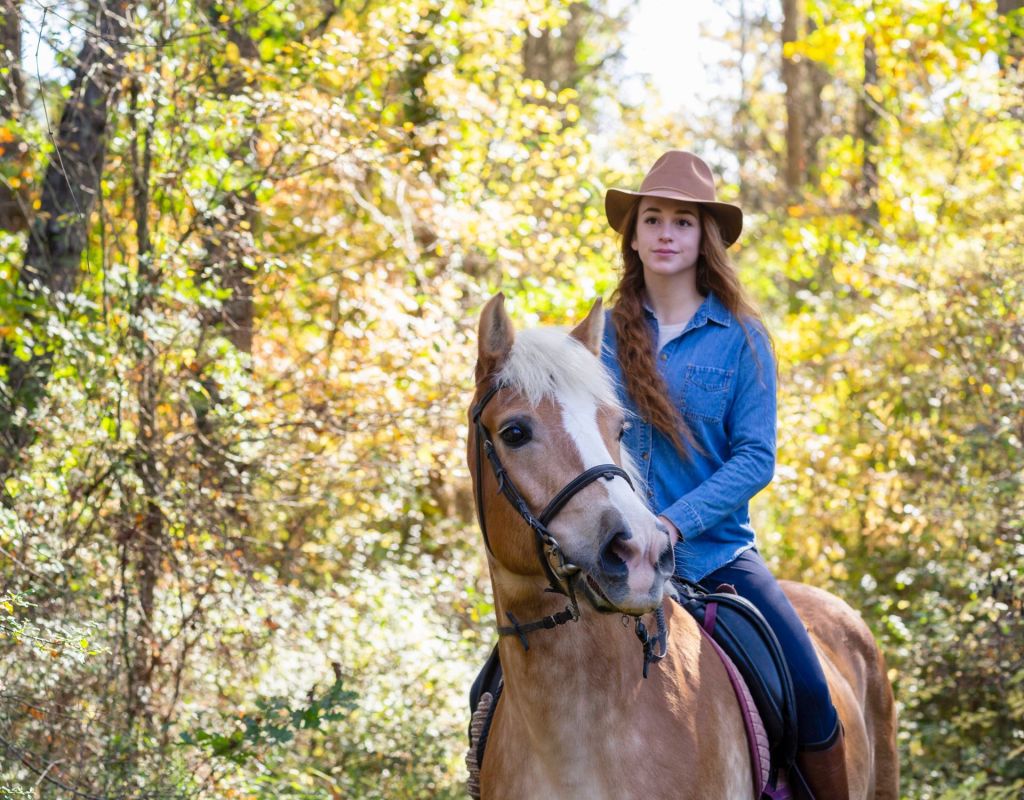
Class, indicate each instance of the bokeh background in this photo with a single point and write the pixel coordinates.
(243, 246)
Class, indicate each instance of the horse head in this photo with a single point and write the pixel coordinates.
(546, 429)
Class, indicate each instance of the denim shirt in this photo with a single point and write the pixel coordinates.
(724, 384)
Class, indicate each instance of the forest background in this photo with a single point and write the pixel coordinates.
(242, 250)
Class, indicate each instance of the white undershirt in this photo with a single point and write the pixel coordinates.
(666, 333)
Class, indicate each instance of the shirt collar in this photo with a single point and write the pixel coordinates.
(712, 309)
(716, 310)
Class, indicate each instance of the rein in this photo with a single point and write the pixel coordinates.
(562, 575)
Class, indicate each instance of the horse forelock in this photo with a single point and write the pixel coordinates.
(548, 362)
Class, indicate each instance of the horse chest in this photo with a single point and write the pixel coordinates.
(537, 774)
(614, 759)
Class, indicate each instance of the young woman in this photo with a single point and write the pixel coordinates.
(695, 365)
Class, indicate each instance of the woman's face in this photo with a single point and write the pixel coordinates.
(667, 237)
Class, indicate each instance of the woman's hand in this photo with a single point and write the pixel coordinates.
(673, 532)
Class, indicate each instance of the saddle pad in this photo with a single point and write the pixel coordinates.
(742, 632)
(757, 737)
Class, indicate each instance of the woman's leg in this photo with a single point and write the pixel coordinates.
(816, 717)
(819, 734)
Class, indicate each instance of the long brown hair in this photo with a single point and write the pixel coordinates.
(715, 273)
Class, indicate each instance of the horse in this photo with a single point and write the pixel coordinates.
(575, 555)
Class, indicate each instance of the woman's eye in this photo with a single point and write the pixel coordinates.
(515, 434)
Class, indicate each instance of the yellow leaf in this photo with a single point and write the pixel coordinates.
(334, 78)
(876, 93)
(231, 53)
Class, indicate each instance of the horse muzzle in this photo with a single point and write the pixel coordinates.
(630, 571)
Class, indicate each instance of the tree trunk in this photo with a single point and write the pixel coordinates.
(13, 198)
(12, 85)
(148, 542)
(59, 233)
(552, 59)
(817, 78)
(227, 240)
(794, 23)
(1013, 59)
(867, 131)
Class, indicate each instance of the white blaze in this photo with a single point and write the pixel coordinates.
(579, 418)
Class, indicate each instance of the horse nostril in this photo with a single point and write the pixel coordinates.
(615, 554)
(667, 561)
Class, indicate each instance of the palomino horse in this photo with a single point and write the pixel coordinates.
(577, 718)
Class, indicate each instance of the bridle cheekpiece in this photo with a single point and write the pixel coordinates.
(562, 575)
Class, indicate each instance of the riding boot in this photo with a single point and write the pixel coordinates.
(823, 768)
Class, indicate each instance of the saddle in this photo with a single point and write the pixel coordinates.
(744, 637)
(748, 641)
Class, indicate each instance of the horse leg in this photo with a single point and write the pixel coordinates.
(887, 763)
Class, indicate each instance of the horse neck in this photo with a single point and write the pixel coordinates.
(578, 670)
(576, 707)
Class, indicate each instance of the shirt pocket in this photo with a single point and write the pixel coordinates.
(706, 392)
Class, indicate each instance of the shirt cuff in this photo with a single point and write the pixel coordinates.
(685, 517)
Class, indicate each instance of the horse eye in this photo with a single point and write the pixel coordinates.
(515, 434)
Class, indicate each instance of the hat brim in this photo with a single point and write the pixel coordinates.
(618, 202)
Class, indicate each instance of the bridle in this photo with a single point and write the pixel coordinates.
(562, 575)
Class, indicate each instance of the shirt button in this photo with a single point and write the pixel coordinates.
(664, 356)
(650, 493)
(645, 456)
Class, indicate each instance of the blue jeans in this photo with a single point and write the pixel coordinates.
(816, 716)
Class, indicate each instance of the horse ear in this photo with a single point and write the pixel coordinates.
(494, 338)
(590, 331)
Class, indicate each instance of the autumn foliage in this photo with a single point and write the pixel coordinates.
(238, 553)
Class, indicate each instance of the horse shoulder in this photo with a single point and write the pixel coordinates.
(709, 728)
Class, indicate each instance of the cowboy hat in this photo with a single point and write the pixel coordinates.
(678, 175)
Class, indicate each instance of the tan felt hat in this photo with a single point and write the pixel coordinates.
(678, 175)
